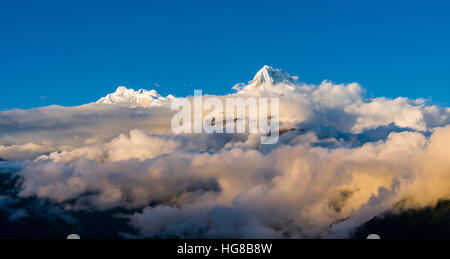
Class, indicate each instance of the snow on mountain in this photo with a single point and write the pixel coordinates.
(141, 97)
(269, 76)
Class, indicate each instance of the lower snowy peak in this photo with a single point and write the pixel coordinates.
(141, 97)
(269, 76)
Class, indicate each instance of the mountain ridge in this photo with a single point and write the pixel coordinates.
(142, 97)
(266, 78)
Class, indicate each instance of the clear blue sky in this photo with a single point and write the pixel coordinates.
(73, 52)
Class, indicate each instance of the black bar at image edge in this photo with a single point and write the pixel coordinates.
(231, 248)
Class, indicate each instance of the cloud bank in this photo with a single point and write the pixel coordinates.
(341, 160)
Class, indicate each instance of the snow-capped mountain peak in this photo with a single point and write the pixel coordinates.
(141, 97)
(271, 76)
(267, 78)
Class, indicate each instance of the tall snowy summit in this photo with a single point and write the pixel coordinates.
(269, 76)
